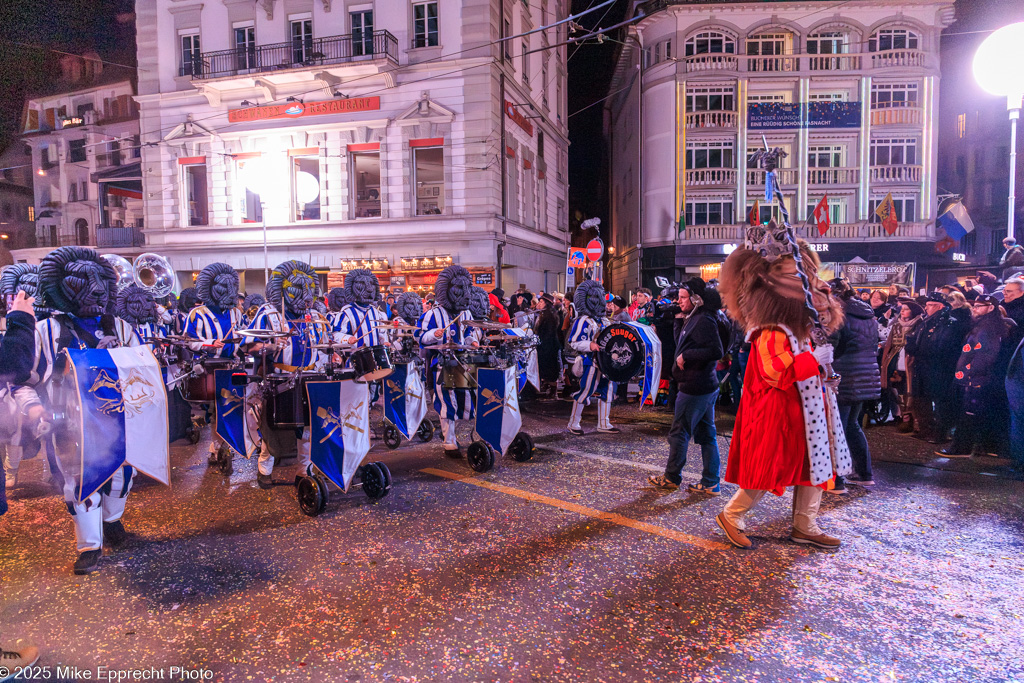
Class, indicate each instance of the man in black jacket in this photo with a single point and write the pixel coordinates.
(698, 349)
(936, 349)
(16, 352)
(856, 361)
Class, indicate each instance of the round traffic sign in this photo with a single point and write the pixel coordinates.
(595, 249)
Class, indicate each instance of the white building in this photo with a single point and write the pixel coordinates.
(84, 136)
(367, 133)
(848, 89)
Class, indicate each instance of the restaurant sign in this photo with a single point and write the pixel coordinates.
(296, 110)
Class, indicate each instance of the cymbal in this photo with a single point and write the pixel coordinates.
(265, 334)
(485, 324)
(452, 347)
(331, 346)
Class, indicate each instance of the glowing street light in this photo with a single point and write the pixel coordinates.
(997, 69)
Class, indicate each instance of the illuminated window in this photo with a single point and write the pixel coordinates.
(31, 213)
(429, 180)
(961, 125)
(365, 169)
(195, 193)
(248, 173)
(306, 188)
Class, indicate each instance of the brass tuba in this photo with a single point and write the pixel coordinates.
(123, 268)
(154, 273)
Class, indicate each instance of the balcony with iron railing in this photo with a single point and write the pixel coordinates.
(896, 173)
(703, 177)
(784, 63)
(712, 119)
(292, 55)
(845, 232)
(896, 114)
(127, 236)
(831, 175)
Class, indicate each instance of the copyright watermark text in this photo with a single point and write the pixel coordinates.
(107, 674)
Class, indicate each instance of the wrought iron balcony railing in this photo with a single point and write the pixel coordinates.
(292, 55)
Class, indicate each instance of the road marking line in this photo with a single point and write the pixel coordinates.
(603, 458)
(582, 510)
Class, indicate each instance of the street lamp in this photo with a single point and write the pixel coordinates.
(997, 69)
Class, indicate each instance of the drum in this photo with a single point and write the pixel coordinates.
(371, 363)
(288, 406)
(202, 388)
(621, 354)
(474, 357)
(458, 377)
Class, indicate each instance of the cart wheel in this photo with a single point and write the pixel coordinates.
(376, 481)
(225, 461)
(312, 495)
(480, 456)
(426, 431)
(521, 448)
(392, 437)
(193, 433)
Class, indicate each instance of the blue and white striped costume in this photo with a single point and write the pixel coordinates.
(107, 504)
(360, 321)
(207, 326)
(592, 383)
(450, 404)
(306, 331)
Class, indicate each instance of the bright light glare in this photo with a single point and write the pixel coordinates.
(728, 248)
(997, 63)
(307, 187)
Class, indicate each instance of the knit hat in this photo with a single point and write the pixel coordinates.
(915, 308)
(938, 298)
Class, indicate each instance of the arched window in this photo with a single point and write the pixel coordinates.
(827, 43)
(766, 51)
(894, 39)
(82, 232)
(710, 42)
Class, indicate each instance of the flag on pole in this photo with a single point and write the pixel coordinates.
(821, 216)
(945, 244)
(953, 218)
(755, 214)
(887, 212)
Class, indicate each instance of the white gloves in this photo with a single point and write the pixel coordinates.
(824, 354)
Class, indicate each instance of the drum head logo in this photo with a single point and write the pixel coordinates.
(622, 352)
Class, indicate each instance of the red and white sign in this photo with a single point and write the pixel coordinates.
(595, 249)
(518, 118)
(296, 110)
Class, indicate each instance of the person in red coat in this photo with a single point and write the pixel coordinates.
(788, 431)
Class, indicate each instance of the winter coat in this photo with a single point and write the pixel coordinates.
(899, 331)
(856, 354)
(699, 343)
(935, 347)
(1015, 312)
(981, 368)
(547, 330)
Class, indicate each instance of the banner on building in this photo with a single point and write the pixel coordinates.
(786, 115)
(877, 274)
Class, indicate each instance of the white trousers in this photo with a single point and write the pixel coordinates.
(106, 505)
(451, 440)
(806, 501)
(604, 414)
(266, 460)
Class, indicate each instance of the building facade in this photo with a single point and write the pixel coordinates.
(375, 134)
(84, 137)
(848, 90)
(17, 202)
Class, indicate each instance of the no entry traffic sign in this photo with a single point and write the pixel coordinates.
(595, 249)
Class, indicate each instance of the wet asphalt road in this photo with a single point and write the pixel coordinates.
(565, 568)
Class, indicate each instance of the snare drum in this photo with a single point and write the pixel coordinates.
(288, 407)
(458, 377)
(371, 363)
(202, 388)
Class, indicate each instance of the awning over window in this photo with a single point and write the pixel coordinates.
(123, 181)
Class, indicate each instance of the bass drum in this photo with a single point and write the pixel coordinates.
(621, 353)
(289, 408)
(203, 388)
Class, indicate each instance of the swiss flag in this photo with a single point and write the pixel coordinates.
(821, 216)
(755, 214)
